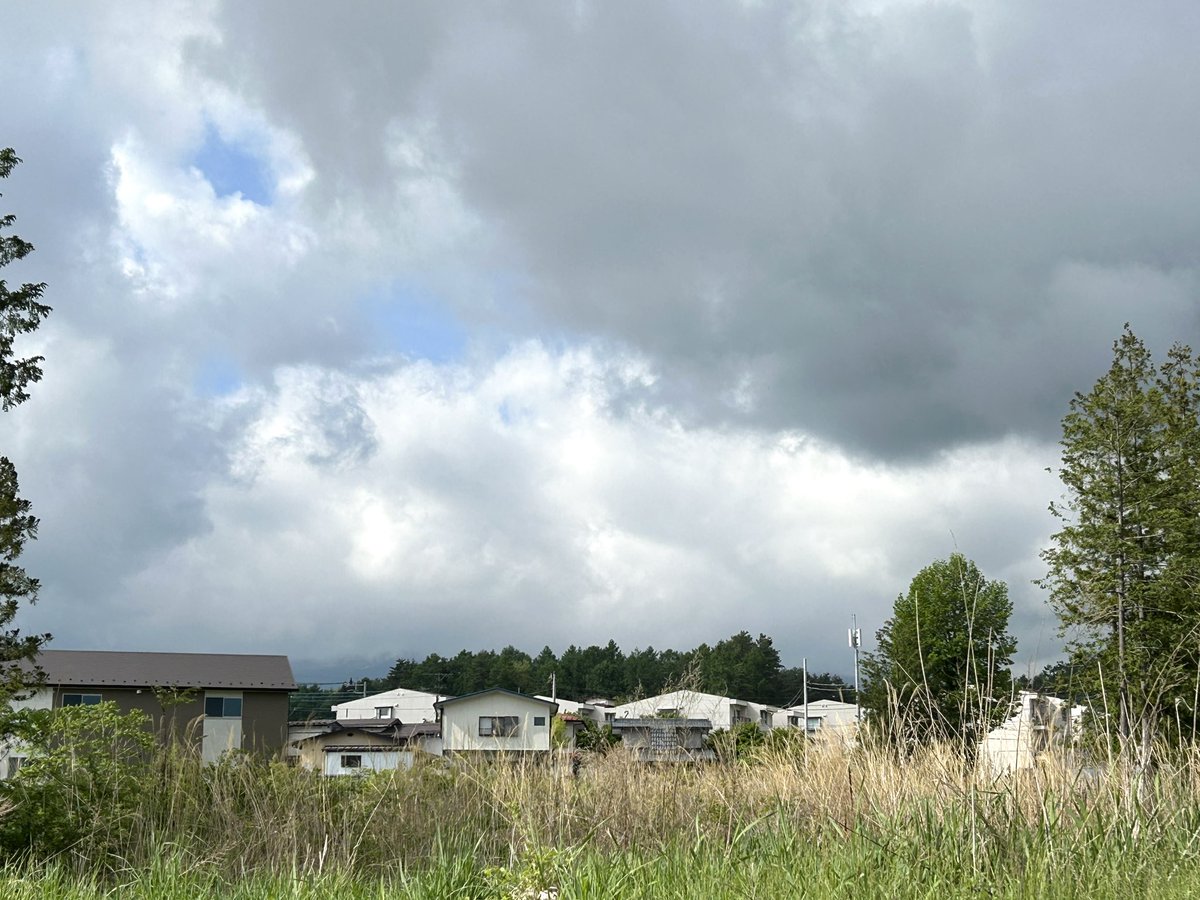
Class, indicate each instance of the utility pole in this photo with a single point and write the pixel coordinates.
(855, 643)
(804, 663)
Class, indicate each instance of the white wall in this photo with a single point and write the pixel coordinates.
(221, 735)
(833, 715)
(42, 698)
(460, 723)
(372, 761)
(1040, 724)
(719, 710)
(409, 707)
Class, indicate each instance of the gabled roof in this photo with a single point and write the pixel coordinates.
(390, 730)
(114, 668)
(389, 698)
(449, 700)
(684, 699)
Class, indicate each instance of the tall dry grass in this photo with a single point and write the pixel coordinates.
(861, 808)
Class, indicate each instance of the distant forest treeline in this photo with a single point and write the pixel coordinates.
(741, 666)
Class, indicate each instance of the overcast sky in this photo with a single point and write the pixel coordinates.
(386, 329)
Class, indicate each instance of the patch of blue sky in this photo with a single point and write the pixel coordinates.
(216, 376)
(232, 167)
(405, 319)
(512, 412)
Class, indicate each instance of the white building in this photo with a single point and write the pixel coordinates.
(592, 710)
(496, 721)
(820, 718)
(1039, 724)
(721, 712)
(408, 706)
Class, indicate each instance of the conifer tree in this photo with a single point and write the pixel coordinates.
(21, 311)
(1125, 564)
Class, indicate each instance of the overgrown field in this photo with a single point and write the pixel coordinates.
(816, 822)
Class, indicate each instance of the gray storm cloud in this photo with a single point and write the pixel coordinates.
(753, 311)
(868, 217)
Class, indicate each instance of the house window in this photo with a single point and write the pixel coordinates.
(539, 720)
(223, 707)
(764, 718)
(80, 699)
(384, 712)
(351, 761)
(498, 726)
(609, 718)
(814, 723)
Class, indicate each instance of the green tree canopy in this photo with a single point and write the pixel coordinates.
(941, 667)
(741, 666)
(21, 311)
(1124, 566)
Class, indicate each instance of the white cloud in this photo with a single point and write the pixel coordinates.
(402, 512)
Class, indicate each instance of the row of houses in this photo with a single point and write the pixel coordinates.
(391, 729)
(224, 702)
(719, 711)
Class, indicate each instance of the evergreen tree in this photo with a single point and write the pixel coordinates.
(743, 667)
(643, 673)
(545, 665)
(21, 311)
(512, 669)
(403, 674)
(1125, 564)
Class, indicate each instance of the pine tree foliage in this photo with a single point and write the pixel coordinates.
(741, 666)
(1124, 566)
(21, 311)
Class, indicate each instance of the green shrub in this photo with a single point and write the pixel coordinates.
(83, 781)
(738, 743)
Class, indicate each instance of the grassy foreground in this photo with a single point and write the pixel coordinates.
(815, 823)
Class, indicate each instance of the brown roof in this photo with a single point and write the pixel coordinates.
(390, 730)
(113, 668)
